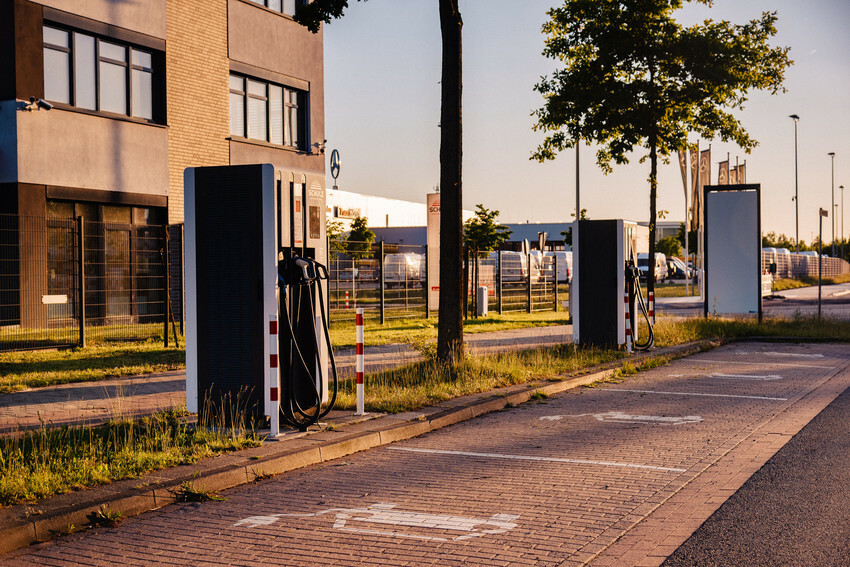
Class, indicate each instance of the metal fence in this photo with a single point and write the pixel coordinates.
(804, 264)
(389, 281)
(63, 281)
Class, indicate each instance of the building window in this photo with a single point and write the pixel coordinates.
(265, 111)
(283, 6)
(98, 74)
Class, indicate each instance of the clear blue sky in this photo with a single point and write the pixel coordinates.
(382, 108)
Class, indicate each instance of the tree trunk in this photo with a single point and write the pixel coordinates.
(653, 186)
(653, 191)
(450, 324)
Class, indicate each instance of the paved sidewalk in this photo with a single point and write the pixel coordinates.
(89, 403)
(342, 435)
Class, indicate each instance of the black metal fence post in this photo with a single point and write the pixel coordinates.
(528, 279)
(555, 270)
(81, 279)
(499, 279)
(166, 291)
(381, 267)
(427, 286)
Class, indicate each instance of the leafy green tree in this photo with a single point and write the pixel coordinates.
(336, 239)
(360, 239)
(692, 238)
(772, 240)
(482, 234)
(633, 77)
(450, 325)
(669, 246)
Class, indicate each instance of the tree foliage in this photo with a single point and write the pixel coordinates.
(669, 246)
(335, 231)
(634, 78)
(483, 233)
(360, 239)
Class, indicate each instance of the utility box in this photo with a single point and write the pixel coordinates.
(482, 299)
(601, 251)
(242, 224)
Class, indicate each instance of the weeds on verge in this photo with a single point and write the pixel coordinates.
(55, 460)
(188, 492)
(104, 517)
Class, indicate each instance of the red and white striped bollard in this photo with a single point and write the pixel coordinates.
(628, 317)
(359, 364)
(652, 307)
(274, 378)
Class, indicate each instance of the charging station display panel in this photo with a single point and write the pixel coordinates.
(732, 250)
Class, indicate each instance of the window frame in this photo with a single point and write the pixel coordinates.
(300, 108)
(266, 4)
(157, 111)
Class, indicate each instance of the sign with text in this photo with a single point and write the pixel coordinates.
(433, 241)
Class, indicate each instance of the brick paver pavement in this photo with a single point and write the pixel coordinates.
(619, 474)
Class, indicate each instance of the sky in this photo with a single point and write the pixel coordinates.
(382, 110)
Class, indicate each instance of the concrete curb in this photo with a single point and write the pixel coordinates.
(158, 489)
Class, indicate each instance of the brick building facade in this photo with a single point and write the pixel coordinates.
(103, 105)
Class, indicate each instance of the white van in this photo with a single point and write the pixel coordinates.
(565, 264)
(515, 267)
(660, 266)
(403, 269)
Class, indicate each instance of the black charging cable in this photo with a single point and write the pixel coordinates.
(633, 274)
(309, 274)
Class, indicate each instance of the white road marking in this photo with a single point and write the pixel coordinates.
(695, 394)
(620, 417)
(840, 293)
(385, 514)
(532, 458)
(744, 376)
(776, 353)
(699, 360)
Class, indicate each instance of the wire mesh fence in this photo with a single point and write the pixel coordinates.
(64, 281)
(387, 280)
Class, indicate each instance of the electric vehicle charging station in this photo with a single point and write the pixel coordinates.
(604, 270)
(255, 254)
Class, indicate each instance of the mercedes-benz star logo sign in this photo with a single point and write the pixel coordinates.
(335, 164)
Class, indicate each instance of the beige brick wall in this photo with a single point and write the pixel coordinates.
(197, 87)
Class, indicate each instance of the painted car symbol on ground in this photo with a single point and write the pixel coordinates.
(412, 525)
(620, 417)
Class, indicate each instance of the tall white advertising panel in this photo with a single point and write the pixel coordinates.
(433, 241)
(733, 250)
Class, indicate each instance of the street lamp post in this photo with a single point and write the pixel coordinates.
(821, 213)
(842, 220)
(832, 208)
(796, 188)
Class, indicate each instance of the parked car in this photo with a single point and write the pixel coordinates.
(677, 270)
(660, 266)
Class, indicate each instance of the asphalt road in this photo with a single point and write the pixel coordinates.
(835, 302)
(565, 480)
(794, 511)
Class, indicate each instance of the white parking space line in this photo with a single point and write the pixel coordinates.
(695, 394)
(793, 365)
(776, 353)
(620, 417)
(744, 376)
(532, 458)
